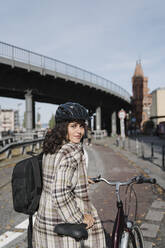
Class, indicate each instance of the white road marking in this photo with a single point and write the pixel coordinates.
(9, 236)
(23, 225)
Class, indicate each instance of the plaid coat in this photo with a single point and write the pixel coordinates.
(65, 199)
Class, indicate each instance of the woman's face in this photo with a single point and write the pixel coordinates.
(75, 132)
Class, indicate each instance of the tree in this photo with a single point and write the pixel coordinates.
(52, 121)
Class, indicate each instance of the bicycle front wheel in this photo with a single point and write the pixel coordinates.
(132, 239)
(127, 240)
(138, 236)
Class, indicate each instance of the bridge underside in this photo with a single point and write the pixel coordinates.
(45, 88)
(15, 81)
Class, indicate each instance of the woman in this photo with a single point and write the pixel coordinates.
(65, 197)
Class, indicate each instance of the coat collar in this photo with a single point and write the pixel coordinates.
(74, 146)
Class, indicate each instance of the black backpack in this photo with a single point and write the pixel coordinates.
(27, 188)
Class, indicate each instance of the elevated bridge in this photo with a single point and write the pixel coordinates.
(34, 77)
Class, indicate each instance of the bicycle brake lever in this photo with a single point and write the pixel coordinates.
(139, 179)
(96, 179)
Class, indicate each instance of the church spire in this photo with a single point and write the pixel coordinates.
(138, 69)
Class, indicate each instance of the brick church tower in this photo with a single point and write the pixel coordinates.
(141, 98)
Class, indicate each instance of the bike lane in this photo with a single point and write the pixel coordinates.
(115, 166)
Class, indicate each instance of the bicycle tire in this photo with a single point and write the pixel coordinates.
(138, 236)
(131, 244)
(128, 240)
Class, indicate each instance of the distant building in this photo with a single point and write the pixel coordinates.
(9, 120)
(158, 105)
(141, 99)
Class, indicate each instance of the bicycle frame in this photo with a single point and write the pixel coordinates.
(123, 229)
(119, 226)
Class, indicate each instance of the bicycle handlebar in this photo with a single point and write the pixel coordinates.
(134, 180)
(141, 179)
(137, 180)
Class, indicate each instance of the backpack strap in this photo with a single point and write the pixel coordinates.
(30, 231)
(37, 193)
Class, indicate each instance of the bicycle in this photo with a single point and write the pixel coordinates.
(126, 233)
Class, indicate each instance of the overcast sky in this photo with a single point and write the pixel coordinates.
(102, 36)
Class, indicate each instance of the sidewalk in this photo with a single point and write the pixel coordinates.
(148, 167)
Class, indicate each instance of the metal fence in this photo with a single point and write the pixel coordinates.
(22, 148)
(17, 137)
(148, 151)
(46, 63)
(99, 134)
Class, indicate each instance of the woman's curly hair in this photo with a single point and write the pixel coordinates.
(55, 138)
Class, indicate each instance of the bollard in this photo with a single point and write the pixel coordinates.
(137, 147)
(23, 150)
(117, 141)
(152, 151)
(123, 143)
(128, 144)
(8, 153)
(142, 149)
(163, 155)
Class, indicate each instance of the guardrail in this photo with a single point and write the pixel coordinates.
(7, 151)
(6, 140)
(148, 151)
(34, 59)
(17, 137)
(99, 134)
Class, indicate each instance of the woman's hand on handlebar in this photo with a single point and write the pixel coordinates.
(89, 220)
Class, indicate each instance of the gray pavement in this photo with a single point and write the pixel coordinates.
(153, 225)
(115, 163)
(146, 164)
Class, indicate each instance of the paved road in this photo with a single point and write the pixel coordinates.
(153, 220)
(111, 164)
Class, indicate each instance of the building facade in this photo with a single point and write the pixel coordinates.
(141, 100)
(158, 105)
(9, 120)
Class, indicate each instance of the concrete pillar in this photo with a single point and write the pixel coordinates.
(98, 118)
(29, 112)
(89, 121)
(114, 129)
(33, 114)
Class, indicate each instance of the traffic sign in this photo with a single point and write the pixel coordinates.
(122, 114)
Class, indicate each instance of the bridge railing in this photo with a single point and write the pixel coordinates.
(23, 146)
(34, 59)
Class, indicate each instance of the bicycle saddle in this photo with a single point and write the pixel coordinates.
(76, 231)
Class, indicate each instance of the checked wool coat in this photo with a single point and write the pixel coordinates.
(65, 199)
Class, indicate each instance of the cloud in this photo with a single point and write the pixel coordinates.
(105, 37)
